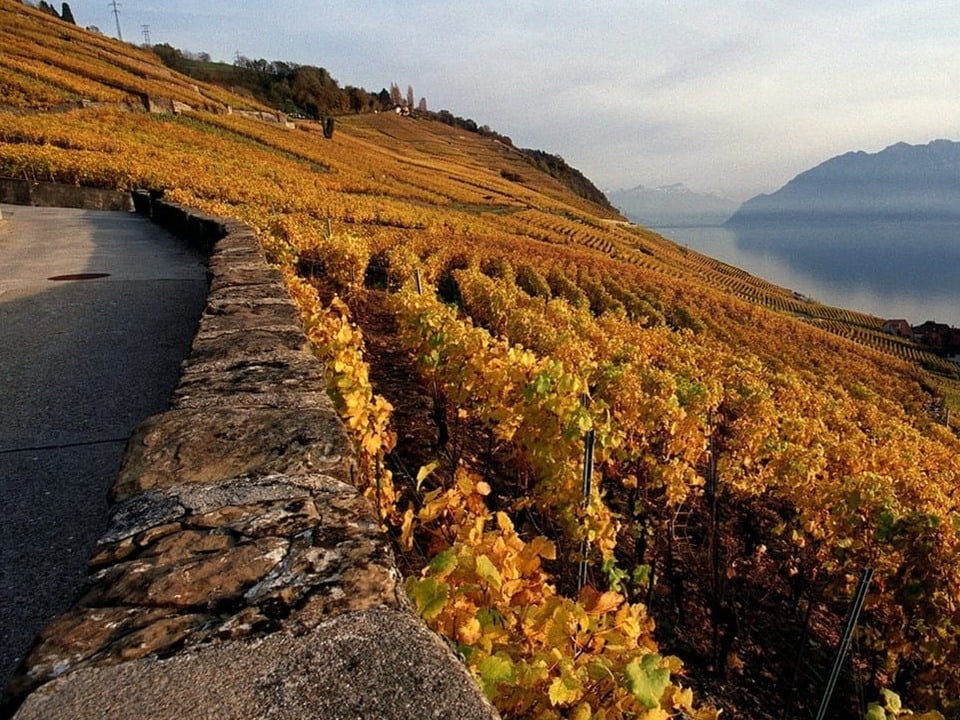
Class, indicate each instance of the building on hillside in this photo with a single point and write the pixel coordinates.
(940, 337)
(900, 328)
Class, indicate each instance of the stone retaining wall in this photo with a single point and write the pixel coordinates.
(16, 191)
(243, 576)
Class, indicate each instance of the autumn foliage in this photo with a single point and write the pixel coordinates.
(753, 452)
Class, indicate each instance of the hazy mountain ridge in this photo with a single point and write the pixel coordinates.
(902, 181)
(671, 206)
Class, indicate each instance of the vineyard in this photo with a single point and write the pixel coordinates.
(752, 452)
(47, 63)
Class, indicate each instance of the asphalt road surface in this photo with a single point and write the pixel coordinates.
(97, 310)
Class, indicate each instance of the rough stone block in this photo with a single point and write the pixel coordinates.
(237, 275)
(273, 400)
(239, 237)
(210, 445)
(245, 344)
(377, 664)
(195, 577)
(204, 564)
(226, 315)
(91, 636)
(265, 374)
(223, 259)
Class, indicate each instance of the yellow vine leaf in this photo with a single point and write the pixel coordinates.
(406, 529)
(581, 712)
(425, 471)
(565, 689)
(470, 631)
(599, 603)
(488, 571)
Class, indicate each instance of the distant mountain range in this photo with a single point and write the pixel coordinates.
(898, 183)
(671, 206)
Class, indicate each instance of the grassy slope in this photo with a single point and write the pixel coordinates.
(46, 62)
(443, 196)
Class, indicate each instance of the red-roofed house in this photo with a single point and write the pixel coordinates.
(900, 328)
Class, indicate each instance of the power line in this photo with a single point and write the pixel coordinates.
(116, 16)
(146, 34)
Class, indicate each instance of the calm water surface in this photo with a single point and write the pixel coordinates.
(892, 270)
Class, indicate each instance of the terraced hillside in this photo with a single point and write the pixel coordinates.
(752, 452)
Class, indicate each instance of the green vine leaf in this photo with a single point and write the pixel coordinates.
(430, 595)
(493, 671)
(443, 564)
(647, 680)
(488, 571)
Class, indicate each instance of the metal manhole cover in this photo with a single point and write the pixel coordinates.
(79, 276)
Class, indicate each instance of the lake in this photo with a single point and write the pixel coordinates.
(893, 270)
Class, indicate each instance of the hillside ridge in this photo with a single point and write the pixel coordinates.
(311, 92)
(901, 181)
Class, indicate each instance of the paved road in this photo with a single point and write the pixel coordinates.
(82, 362)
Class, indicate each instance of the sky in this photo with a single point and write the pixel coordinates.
(733, 97)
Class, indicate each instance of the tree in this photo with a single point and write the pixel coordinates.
(410, 98)
(169, 56)
(395, 96)
(49, 9)
(422, 107)
(66, 14)
(360, 99)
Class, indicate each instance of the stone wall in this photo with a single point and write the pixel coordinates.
(243, 576)
(271, 117)
(15, 191)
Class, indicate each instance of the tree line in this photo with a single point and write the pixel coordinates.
(297, 90)
(65, 13)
